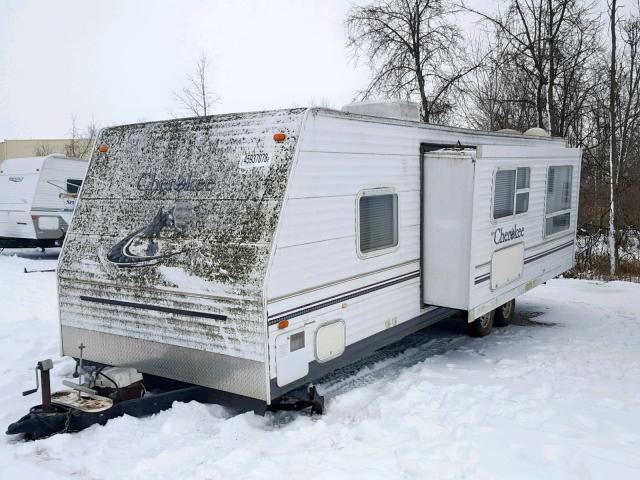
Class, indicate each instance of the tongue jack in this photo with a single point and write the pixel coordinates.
(43, 378)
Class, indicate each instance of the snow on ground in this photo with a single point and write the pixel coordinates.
(557, 396)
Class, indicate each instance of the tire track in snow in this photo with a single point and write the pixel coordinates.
(390, 361)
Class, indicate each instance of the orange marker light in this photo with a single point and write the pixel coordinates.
(283, 324)
(103, 149)
(279, 137)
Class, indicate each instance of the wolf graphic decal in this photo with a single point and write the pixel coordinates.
(150, 244)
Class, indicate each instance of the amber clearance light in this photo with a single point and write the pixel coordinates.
(103, 149)
(279, 137)
(282, 324)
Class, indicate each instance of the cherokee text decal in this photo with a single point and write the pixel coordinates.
(500, 235)
(150, 182)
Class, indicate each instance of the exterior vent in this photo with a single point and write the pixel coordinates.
(536, 132)
(388, 109)
(510, 131)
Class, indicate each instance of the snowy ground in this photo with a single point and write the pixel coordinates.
(557, 396)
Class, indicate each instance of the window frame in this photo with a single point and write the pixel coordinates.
(374, 192)
(559, 212)
(78, 187)
(516, 191)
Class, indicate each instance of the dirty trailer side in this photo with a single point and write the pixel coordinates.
(164, 266)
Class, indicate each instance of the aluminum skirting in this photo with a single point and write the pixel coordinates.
(213, 370)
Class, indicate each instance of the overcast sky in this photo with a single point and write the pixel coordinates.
(120, 61)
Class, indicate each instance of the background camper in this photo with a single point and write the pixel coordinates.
(252, 253)
(37, 198)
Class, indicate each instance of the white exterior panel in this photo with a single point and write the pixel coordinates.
(542, 255)
(18, 183)
(315, 265)
(51, 194)
(446, 226)
(34, 187)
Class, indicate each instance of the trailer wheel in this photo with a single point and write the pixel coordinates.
(504, 314)
(481, 326)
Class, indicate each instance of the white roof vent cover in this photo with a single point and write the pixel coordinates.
(536, 132)
(388, 109)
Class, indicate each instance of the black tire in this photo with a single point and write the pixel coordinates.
(504, 314)
(481, 326)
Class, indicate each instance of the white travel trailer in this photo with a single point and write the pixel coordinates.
(253, 253)
(37, 198)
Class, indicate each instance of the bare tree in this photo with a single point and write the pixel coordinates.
(414, 50)
(624, 124)
(612, 137)
(549, 65)
(80, 141)
(552, 42)
(324, 102)
(497, 95)
(196, 97)
(42, 150)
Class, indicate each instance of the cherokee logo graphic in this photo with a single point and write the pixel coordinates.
(150, 244)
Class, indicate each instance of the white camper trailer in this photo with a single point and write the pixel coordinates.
(252, 253)
(37, 198)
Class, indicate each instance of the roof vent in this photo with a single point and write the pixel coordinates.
(388, 109)
(510, 131)
(536, 132)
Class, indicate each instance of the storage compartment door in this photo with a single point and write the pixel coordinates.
(330, 341)
(292, 360)
(507, 265)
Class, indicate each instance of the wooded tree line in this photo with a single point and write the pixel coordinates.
(571, 67)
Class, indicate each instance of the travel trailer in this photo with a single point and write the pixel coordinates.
(253, 253)
(37, 198)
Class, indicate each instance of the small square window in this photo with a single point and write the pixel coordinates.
(73, 185)
(296, 341)
(523, 178)
(522, 202)
(378, 221)
(557, 223)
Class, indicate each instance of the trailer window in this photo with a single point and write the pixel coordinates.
(522, 189)
(511, 192)
(378, 221)
(73, 185)
(558, 210)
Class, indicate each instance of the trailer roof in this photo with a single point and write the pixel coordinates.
(367, 118)
(433, 127)
(29, 164)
